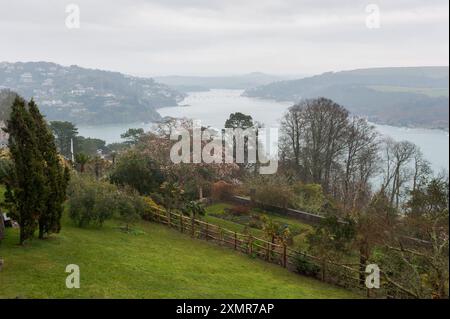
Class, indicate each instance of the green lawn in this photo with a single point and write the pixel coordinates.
(157, 263)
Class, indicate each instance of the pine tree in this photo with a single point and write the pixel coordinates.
(55, 176)
(25, 191)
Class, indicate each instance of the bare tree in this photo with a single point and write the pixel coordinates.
(315, 132)
(329, 148)
(360, 162)
(398, 168)
(422, 170)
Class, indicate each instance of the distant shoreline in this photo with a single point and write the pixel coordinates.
(445, 129)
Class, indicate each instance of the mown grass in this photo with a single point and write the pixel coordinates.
(156, 263)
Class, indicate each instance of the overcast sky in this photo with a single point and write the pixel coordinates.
(212, 37)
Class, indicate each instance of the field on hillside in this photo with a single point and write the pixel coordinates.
(431, 92)
(156, 262)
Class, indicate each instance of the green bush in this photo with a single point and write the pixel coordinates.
(94, 202)
(272, 191)
(129, 207)
(309, 197)
(90, 201)
(137, 171)
(306, 267)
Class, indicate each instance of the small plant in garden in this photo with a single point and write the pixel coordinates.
(306, 267)
(129, 205)
(81, 160)
(332, 240)
(193, 209)
(309, 197)
(149, 208)
(172, 195)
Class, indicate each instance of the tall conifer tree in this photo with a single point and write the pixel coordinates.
(36, 188)
(54, 174)
(25, 191)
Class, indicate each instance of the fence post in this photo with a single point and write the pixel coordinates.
(268, 251)
(181, 222)
(169, 220)
(284, 255)
(206, 231)
(249, 245)
(324, 266)
(193, 226)
(235, 240)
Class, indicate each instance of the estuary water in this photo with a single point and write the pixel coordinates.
(212, 108)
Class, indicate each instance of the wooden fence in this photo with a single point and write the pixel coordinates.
(347, 276)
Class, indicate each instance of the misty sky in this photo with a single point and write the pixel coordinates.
(212, 37)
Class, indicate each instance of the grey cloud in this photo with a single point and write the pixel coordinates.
(220, 36)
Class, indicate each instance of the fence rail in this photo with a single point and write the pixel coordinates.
(277, 253)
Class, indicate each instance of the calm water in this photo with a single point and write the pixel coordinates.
(215, 106)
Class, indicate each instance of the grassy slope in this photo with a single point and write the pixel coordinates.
(160, 263)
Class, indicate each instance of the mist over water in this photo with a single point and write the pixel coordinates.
(214, 107)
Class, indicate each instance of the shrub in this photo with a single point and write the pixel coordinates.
(255, 223)
(138, 171)
(332, 239)
(332, 207)
(149, 207)
(90, 201)
(129, 206)
(222, 191)
(306, 267)
(157, 198)
(272, 191)
(310, 197)
(94, 202)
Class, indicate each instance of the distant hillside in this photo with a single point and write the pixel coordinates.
(6, 100)
(205, 83)
(86, 96)
(416, 96)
